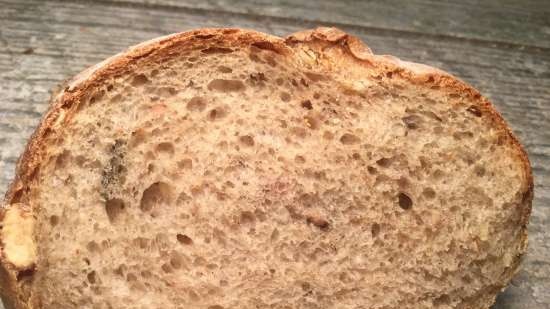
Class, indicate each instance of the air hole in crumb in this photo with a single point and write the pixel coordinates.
(349, 139)
(412, 121)
(165, 147)
(328, 135)
(246, 140)
(176, 261)
(62, 159)
(405, 202)
(138, 136)
(146, 274)
(226, 85)
(130, 277)
(384, 162)
(92, 246)
(224, 69)
(247, 217)
(312, 122)
(274, 235)
(285, 96)
(438, 174)
(114, 208)
(197, 190)
(428, 193)
(184, 239)
(442, 300)
(92, 277)
(299, 159)
(307, 104)
(140, 80)
(167, 92)
(215, 307)
(375, 229)
(182, 198)
(372, 170)
(217, 50)
(403, 182)
(196, 104)
(141, 242)
(185, 164)
(479, 171)
(318, 222)
(438, 129)
(474, 110)
(217, 113)
(166, 268)
(54, 220)
(151, 168)
(271, 61)
(156, 194)
(299, 132)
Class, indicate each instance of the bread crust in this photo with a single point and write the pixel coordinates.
(64, 104)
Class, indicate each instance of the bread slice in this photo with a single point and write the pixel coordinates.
(226, 168)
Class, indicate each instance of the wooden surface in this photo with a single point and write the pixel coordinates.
(500, 47)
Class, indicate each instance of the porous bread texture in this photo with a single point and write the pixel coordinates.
(237, 170)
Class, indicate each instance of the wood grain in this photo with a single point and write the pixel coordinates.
(43, 43)
(513, 22)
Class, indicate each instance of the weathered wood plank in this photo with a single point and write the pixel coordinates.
(42, 43)
(516, 22)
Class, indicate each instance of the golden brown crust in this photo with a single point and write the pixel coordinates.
(64, 104)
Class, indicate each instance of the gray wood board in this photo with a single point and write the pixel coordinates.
(43, 43)
(515, 22)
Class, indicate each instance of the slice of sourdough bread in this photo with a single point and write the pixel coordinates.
(226, 168)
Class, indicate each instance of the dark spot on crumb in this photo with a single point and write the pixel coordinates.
(412, 121)
(405, 202)
(26, 273)
(474, 110)
(114, 174)
(375, 229)
(217, 50)
(384, 162)
(307, 104)
(349, 139)
(226, 85)
(184, 239)
(318, 222)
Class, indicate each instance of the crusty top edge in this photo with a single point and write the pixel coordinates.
(62, 103)
(424, 75)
